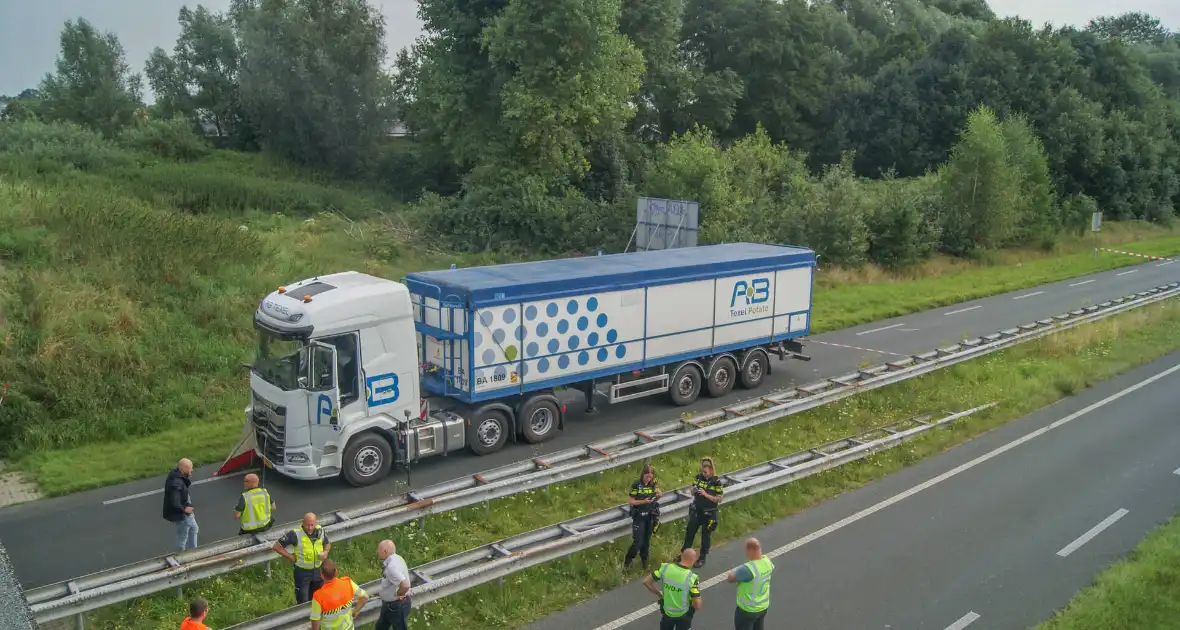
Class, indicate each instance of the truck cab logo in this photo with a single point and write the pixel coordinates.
(323, 409)
(749, 298)
(382, 389)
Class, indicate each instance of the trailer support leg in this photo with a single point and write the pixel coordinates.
(590, 408)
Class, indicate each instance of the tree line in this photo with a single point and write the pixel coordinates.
(871, 130)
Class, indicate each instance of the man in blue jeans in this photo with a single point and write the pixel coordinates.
(178, 505)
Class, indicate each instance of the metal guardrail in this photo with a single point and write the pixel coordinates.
(463, 571)
(121, 584)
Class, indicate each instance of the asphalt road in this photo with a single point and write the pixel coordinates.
(998, 532)
(127, 518)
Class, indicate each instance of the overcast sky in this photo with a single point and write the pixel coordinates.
(29, 28)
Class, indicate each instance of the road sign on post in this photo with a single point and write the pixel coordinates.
(666, 223)
(1095, 221)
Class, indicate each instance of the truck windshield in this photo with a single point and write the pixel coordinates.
(280, 362)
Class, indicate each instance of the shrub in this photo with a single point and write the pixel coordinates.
(31, 147)
(173, 139)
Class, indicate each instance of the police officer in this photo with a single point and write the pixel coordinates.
(702, 514)
(254, 509)
(753, 592)
(680, 596)
(311, 550)
(645, 514)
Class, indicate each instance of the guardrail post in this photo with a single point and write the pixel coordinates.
(81, 621)
(422, 523)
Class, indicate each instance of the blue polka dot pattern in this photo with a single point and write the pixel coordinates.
(530, 313)
(519, 333)
(583, 357)
(592, 339)
(620, 351)
(543, 365)
(563, 361)
(524, 369)
(554, 346)
(601, 320)
(592, 304)
(542, 329)
(563, 327)
(571, 307)
(487, 318)
(509, 316)
(478, 338)
(489, 356)
(583, 323)
(551, 310)
(611, 335)
(602, 354)
(501, 371)
(532, 349)
(573, 342)
(498, 336)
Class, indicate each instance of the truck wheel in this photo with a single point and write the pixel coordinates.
(685, 385)
(721, 377)
(754, 370)
(487, 432)
(538, 420)
(367, 459)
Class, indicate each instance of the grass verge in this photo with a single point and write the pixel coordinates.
(1137, 592)
(1023, 378)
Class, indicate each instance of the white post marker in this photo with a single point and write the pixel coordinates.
(1094, 531)
(869, 511)
(964, 621)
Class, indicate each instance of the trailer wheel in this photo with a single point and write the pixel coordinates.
(367, 459)
(685, 385)
(538, 420)
(753, 370)
(722, 375)
(487, 432)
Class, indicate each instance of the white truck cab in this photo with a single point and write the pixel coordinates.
(334, 377)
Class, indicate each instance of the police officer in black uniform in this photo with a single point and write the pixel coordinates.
(644, 499)
(702, 514)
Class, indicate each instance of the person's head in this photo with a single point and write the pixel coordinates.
(185, 466)
(309, 523)
(687, 557)
(386, 548)
(707, 466)
(648, 475)
(250, 481)
(753, 548)
(328, 570)
(197, 609)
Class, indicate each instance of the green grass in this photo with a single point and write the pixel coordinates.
(1022, 379)
(127, 281)
(1136, 593)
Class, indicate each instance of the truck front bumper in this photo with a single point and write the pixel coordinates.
(301, 470)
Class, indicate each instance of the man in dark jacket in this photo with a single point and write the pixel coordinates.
(178, 505)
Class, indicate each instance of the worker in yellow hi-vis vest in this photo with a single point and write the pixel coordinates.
(255, 509)
(753, 592)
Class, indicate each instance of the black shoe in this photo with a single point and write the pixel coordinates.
(699, 563)
(627, 562)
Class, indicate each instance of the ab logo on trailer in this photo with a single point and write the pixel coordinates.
(749, 298)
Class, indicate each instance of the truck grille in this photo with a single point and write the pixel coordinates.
(270, 428)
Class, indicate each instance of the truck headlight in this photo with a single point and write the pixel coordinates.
(296, 458)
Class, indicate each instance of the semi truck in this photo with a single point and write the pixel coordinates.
(355, 375)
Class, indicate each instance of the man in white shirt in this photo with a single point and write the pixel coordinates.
(394, 590)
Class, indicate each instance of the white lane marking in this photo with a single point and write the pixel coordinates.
(161, 490)
(964, 310)
(1078, 284)
(865, 332)
(1126, 272)
(869, 511)
(1165, 263)
(963, 621)
(840, 345)
(1094, 531)
(1021, 297)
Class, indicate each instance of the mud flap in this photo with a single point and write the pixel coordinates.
(243, 454)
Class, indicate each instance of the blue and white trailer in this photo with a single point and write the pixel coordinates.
(355, 373)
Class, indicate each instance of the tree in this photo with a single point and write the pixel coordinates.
(312, 82)
(1133, 27)
(200, 79)
(980, 189)
(93, 85)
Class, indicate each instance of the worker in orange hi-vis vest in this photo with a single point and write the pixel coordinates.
(338, 602)
(197, 610)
